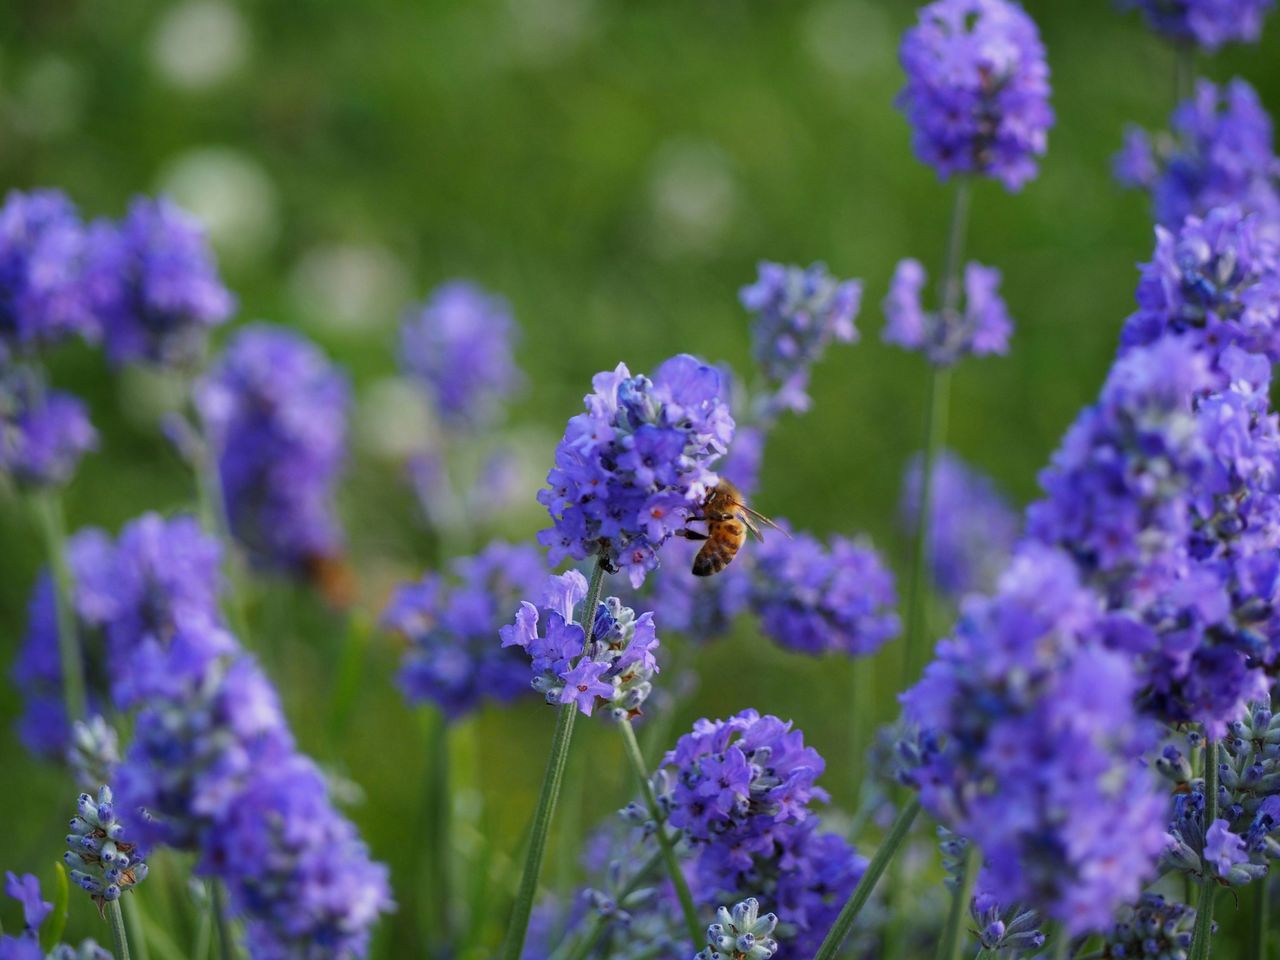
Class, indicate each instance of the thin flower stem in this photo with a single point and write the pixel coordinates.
(213, 517)
(1261, 920)
(48, 506)
(548, 797)
(843, 925)
(226, 940)
(953, 938)
(440, 814)
(119, 939)
(1203, 933)
(694, 927)
(935, 435)
(133, 921)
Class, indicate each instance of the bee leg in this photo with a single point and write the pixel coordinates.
(691, 534)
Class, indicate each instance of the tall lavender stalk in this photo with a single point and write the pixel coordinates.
(1201, 939)
(48, 507)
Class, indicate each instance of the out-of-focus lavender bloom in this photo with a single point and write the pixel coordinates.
(94, 752)
(614, 668)
(102, 862)
(43, 433)
(636, 465)
(972, 528)
(740, 934)
(156, 285)
(1034, 739)
(1208, 23)
(26, 946)
(458, 346)
(740, 790)
(44, 296)
(982, 328)
(1215, 284)
(798, 311)
(1219, 151)
(1153, 929)
(824, 598)
(977, 92)
(701, 608)
(26, 890)
(1004, 931)
(453, 660)
(275, 409)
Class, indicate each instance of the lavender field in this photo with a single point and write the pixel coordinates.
(585, 480)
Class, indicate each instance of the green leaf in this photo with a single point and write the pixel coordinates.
(51, 931)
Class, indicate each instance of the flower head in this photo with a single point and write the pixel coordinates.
(26, 890)
(823, 598)
(276, 412)
(1152, 929)
(982, 328)
(636, 465)
(43, 294)
(43, 433)
(798, 312)
(1218, 152)
(102, 861)
(156, 286)
(1208, 23)
(458, 346)
(740, 934)
(977, 92)
(452, 659)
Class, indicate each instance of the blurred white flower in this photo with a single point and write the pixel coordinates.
(393, 420)
(200, 43)
(231, 194)
(849, 38)
(692, 197)
(349, 288)
(541, 32)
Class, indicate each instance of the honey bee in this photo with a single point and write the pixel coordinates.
(728, 518)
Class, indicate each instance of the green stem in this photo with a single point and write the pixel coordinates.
(1184, 72)
(226, 940)
(953, 937)
(1261, 920)
(438, 806)
(1201, 937)
(692, 924)
(48, 507)
(133, 920)
(213, 517)
(937, 406)
(840, 930)
(119, 939)
(548, 797)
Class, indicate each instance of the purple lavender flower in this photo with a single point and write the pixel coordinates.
(102, 861)
(458, 346)
(157, 288)
(275, 410)
(1223, 849)
(1153, 929)
(1034, 745)
(798, 312)
(816, 598)
(1208, 23)
(613, 669)
(977, 92)
(26, 890)
(972, 528)
(700, 608)
(740, 790)
(631, 470)
(983, 327)
(740, 934)
(1215, 283)
(1219, 151)
(452, 659)
(43, 293)
(43, 433)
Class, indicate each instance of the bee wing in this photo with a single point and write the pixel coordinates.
(752, 516)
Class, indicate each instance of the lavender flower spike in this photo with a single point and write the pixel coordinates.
(636, 465)
(977, 92)
(102, 862)
(43, 433)
(982, 328)
(1208, 23)
(740, 934)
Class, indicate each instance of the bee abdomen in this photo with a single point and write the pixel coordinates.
(717, 552)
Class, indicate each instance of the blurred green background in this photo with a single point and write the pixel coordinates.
(616, 170)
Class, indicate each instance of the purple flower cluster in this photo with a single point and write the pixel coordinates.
(972, 528)
(798, 312)
(740, 790)
(613, 669)
(43, 433)
(1032, 745)
(155, 285)
(1214, 283)
(275, 409)
(212, 761)
(977, 92)
(35, 910)
(102, 862)
(944, 337)
(1153, 929)
(824, 598)
(458, 346)
(44, 296)
(636, 465)
(1219, 151)
(452, 660)
(1208, 23)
